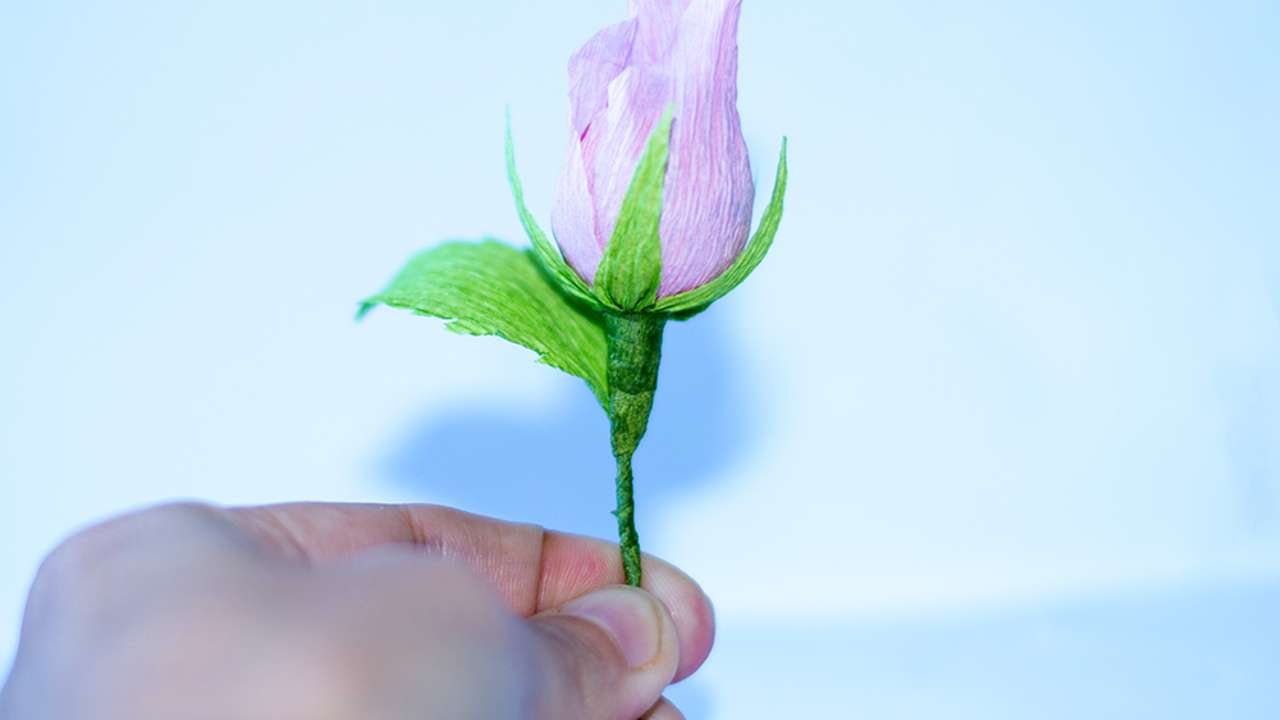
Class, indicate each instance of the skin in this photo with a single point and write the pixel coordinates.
(320, 611)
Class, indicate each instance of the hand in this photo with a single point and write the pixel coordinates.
(313, 611)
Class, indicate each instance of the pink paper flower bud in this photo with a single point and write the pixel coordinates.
(681, 53)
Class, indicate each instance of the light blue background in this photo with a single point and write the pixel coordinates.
(994, 433)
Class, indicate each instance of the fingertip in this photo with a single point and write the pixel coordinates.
(638, 623)
(664, 710)
(573, 565)
(608, 654)
(691, 611)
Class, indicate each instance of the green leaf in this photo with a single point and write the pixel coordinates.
(547, 254)
(688, 304)
(491, 288)
(631, 269)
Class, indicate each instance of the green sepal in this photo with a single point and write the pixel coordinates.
(491, 288)
(690, 303)
(631, 269)
(546, 253)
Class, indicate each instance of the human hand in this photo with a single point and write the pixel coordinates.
(317, 611)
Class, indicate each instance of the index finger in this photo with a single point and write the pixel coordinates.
(532, 568)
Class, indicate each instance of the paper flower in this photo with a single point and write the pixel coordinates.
(621, 82)
(652, 217)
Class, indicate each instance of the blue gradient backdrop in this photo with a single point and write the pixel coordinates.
(995, 433)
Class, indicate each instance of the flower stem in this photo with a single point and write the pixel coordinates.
(635, 350)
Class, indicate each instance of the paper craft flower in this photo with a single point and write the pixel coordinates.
(652, 217)
(674, 53)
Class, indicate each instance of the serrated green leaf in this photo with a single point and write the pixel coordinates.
(688, 304)
(631, 269)
(491, 288)
(545, 252)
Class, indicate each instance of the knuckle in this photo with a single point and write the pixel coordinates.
(83, 566)
(66, 568)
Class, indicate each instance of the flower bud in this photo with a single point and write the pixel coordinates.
(680, 54)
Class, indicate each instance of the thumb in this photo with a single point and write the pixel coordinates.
(607, 655)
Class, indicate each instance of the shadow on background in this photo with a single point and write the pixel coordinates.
(554, 467)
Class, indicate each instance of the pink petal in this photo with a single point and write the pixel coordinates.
(593, 67)
(657, 22)
(616, 139)
(573, 219)
(706, 212)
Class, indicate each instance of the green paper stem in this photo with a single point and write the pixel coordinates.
(634, 353)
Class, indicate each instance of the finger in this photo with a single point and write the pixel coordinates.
(607, 655)
(533, 569)
(664, 710)
(573, 565)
